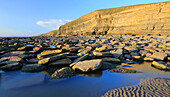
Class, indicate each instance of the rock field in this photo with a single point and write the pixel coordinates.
(83, 54)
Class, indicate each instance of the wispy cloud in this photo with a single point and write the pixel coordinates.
(52, 24)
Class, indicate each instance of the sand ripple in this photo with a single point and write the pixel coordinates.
(151, 87)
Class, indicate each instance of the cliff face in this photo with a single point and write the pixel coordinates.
(52, 33)
(147, 18)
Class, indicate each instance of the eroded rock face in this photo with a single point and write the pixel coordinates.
(145, 18)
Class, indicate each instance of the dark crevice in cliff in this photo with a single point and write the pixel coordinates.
(160, 10)
(146, 28)
(153, 28)
(99, 15)
(162, 26)
(106, 32)
(93, 33)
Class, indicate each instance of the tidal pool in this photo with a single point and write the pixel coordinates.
(20, 84)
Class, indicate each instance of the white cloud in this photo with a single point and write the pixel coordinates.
(52, 24)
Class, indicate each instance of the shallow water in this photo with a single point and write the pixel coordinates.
(20, 84)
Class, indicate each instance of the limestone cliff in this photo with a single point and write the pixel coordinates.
(146, 18)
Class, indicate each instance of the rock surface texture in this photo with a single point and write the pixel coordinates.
(123, 70)
(87, 66)
(145, 18)
(63, 73)
(161, 65)
(32, 68)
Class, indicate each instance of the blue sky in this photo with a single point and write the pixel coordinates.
(35, 17)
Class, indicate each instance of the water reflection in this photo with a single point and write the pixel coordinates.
(126, 66)
(32, 81)
(49, 71)
(20, 84)
(5, 76)
(0, 78)
(93, 74)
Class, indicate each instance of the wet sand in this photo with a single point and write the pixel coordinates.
(151, 87)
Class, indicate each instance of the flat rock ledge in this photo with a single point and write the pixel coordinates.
(33, 68)
(88, 65)
(123, 70)
(12, 66)
(151, 87)
(161, 65)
